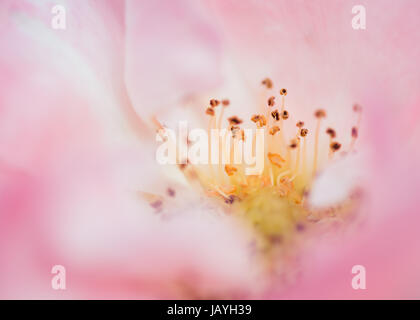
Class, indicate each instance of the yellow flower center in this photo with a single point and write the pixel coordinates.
(273, 205)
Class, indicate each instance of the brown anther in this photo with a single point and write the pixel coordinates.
(214, 102)
(255, 118)
(331, 133)
(300, 124)
(276, 115)
(170, 192)
(270, 101)
(182, 166)
(210, 111)
(285, 115)
(335, 146)
(274, 130)
(260, 120)
(357, 108)
(230, 170)
(320, 113)
(303, 132)
(283, 92)
(235, 130)
(354, 132)
(275, 159)
(268, 83)
(225, 102)
(293, 143)
(234, 120)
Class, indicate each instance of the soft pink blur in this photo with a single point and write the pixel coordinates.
(75, 144)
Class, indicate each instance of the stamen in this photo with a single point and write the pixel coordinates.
(210, 111)
(285, 115)
(224, 195)
(281, 175)
(260, 120)
(319, 114)
(268, 83)
(274, 130)
(276, 159)
(235, 130)
(283, 92)
(303, 132)
(335, 146)
(331, 133)
(225, 103)
(270, 101)
(300, 124)
(182, 166)
(293, 143)
(214, 103)
(276, 115)
(230, 170)
(234, 120)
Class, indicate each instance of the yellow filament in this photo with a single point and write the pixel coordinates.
(318, 127)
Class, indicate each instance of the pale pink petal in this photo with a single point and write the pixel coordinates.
(172, 52)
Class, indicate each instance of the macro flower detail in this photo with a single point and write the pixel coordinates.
(209, 149)
(274, 206)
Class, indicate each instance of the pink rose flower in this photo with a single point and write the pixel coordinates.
(80, 186)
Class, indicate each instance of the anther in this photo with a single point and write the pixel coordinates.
(285, 115)
(300, 124)
(293, 144)
(283, 92)
(268, 83)
(260, 120)
(182, 166)
(214, 102)
(303, 132)
(276, 115)
(354, 132)
(235, 130)
(234, 120)
(275, 159)
(357, 108)
(225, 102)
(274, 130)
(331, 133)
(320, 113)
(230, 170)
(210, 111)
(335, 146)
(270, 101)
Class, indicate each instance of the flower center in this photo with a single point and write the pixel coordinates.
(273, 204)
